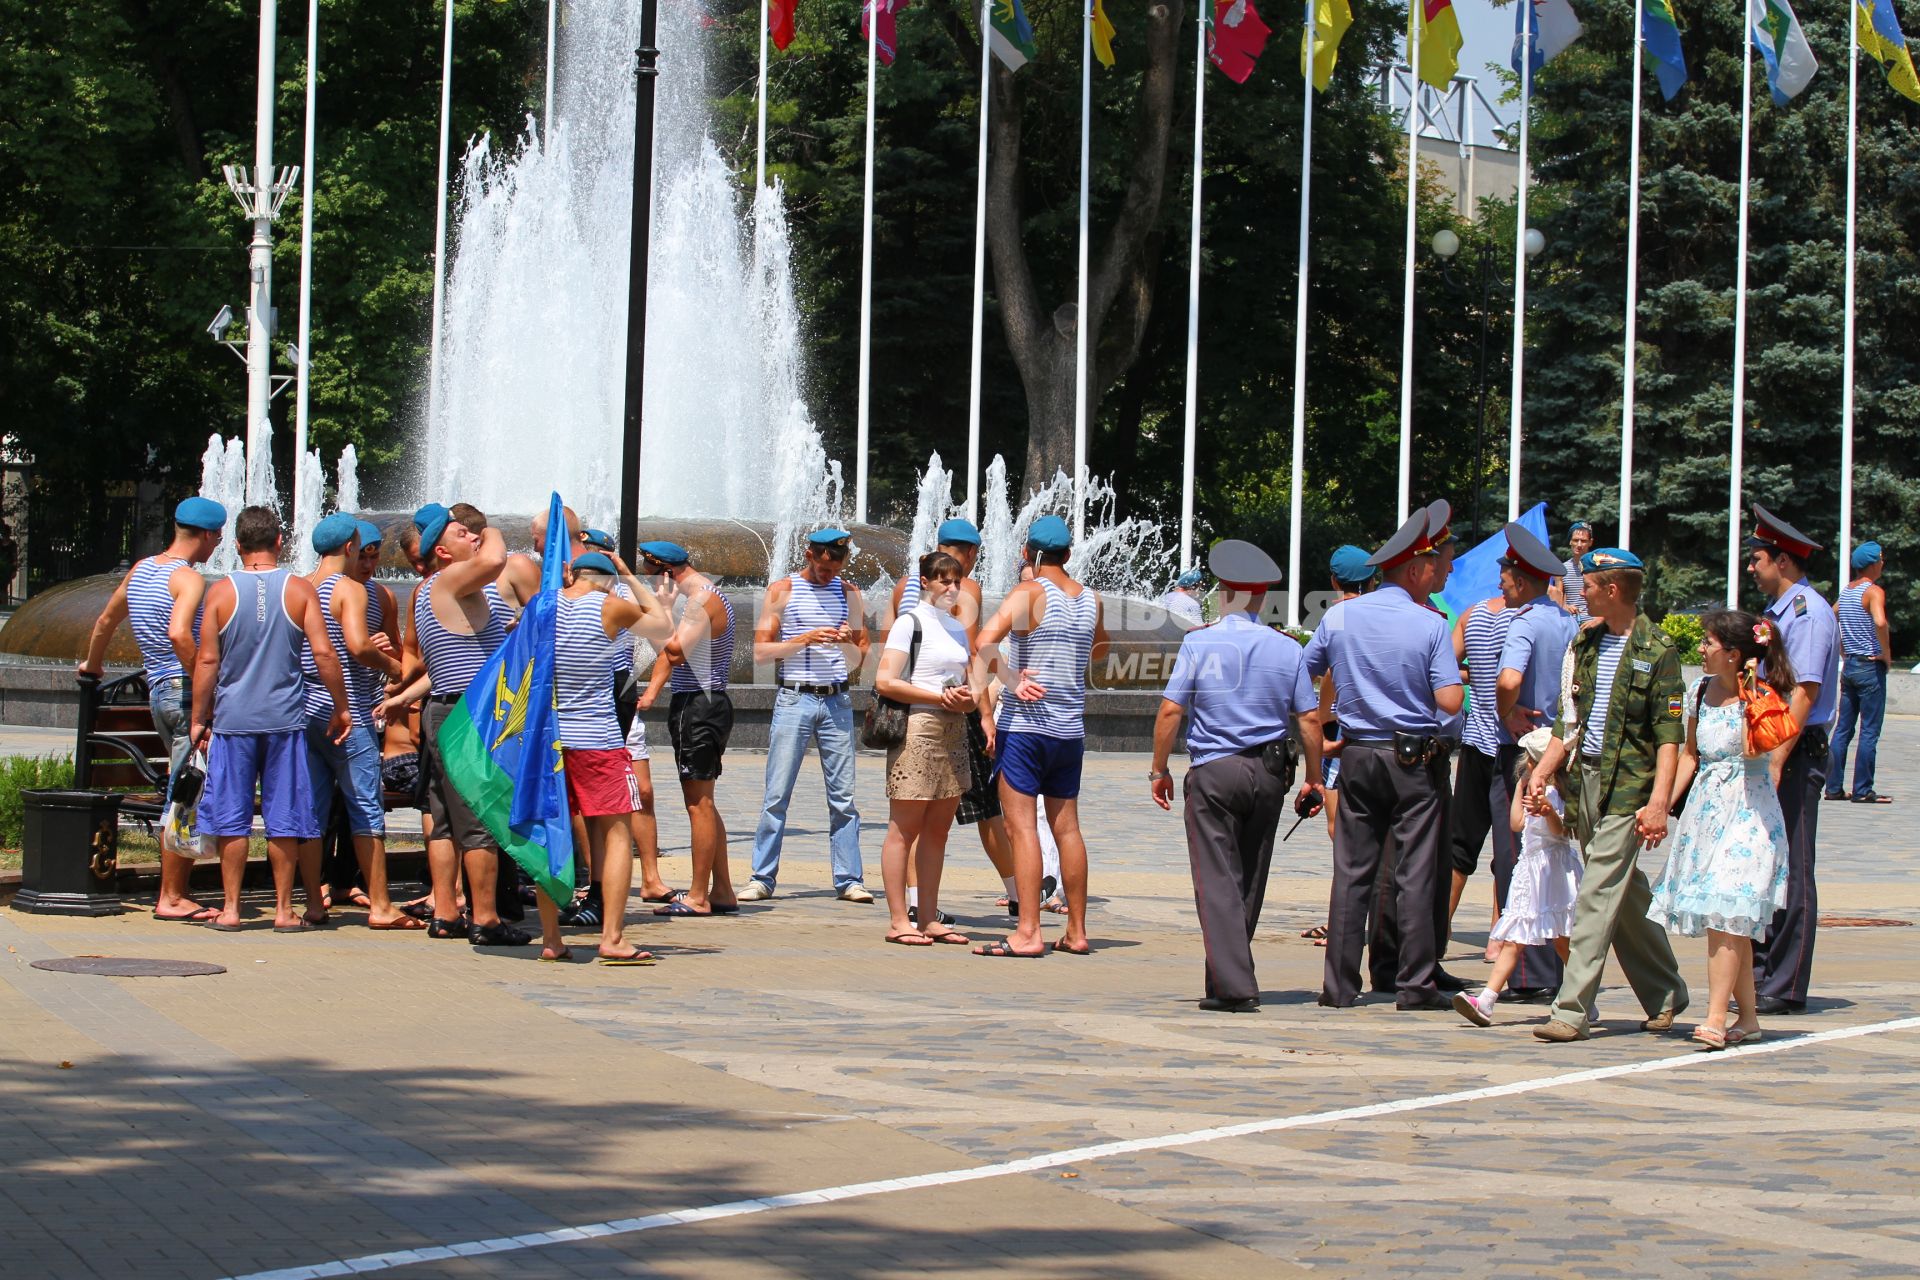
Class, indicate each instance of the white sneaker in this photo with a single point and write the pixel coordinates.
(856, 892)
(756, 891)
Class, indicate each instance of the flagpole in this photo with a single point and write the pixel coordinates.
(1193, 289)
(1080, 307)
(1298, 479)
(1413, 233)
(546, 118)
(1630, 355)
(1735, 460)
(866, 279)
(1846, 350)
(974, 389)
(1520, 269)
(303, 364)
(760, 133)
(440, 222)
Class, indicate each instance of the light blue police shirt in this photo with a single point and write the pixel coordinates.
(1238, 682)
(1813, 646)
(1536, 646)
(1388, 654)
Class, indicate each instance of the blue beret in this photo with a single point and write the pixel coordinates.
(827, 537)
(334, 532)
(665, 552)
(593, 562)
(1865, 554)
(1049, 533)
(431, 520)
(200, 513)
(370, 535)
(1609, 558)
(1577, 526)
(1349, 564)
(957, 533)
(1191, 578)
(599, 538)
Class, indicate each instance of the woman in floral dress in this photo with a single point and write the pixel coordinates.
(1727, 873)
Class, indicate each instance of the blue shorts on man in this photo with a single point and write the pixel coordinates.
(1035, 764)
(277, 762)
(353, 767)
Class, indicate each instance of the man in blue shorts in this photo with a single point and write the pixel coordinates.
(250, 701)
(1053, 633)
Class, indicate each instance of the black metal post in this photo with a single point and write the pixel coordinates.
(645, 73)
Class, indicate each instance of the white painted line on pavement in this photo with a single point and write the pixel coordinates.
(1076, 1155)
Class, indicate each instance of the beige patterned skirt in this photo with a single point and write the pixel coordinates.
(932, 763)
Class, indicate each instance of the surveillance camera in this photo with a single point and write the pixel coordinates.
(221, 323)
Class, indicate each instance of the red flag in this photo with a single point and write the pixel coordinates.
(883, 34)
(780, 21)
(1237, 38)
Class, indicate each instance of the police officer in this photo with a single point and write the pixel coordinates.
(1777, 557)
(1393, 660)
(1527, 692)
(1240, 683)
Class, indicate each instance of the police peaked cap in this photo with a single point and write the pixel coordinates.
(1241, 564)
(1410, 541)
(1771, 533)
(1528, 553)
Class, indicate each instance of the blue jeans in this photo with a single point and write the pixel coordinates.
(1863, 691)
(801, 720)
(170, 701)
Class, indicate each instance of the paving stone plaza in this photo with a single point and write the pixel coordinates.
(356, 1103)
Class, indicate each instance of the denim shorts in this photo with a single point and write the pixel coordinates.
(354, 767)
(1036, 765)
(278, 762)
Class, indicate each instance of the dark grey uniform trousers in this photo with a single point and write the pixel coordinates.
(1783, 962)
(1383, 931)
(1380, 799)
(1233, 807)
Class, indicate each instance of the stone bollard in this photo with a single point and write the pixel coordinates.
(69, 846)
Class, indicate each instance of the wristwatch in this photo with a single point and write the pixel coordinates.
(1154, 775)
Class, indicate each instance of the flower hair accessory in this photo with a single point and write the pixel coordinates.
(1762, 632)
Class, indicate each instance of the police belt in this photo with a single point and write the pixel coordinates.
(818, 690)
(445, 699)
(1410, 748)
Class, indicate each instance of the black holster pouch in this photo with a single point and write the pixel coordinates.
(1281, 759)
(1412, 749)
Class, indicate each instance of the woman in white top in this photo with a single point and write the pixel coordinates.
(928, 772)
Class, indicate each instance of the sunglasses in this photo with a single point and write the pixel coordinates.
(838, 551)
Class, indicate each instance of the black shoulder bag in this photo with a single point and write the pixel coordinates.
(886, 722)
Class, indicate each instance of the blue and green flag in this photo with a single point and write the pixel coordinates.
(500, 746)
(1660, 32)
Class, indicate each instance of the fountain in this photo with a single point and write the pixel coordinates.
(532, 370)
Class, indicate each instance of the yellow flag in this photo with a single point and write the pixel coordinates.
(1102, 34)
(1440, 40)
(1331, 18)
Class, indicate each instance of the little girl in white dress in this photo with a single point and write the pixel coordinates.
(1727, 873)
(1540, 896)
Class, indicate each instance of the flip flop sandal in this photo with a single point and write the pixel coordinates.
(405, 924)
(639, 959)
(1001, 951)
(724, 908)
(1061, 946)
(422, 911)
(303, 927)
(671, 895)
(680, 908)
(909, 939)
(1710, 1041)
(1318, 932)
(217, 927)
(1871, 797)
(1055, 906)
(1739, 1037)
(566, 954)
(202, 916)
(951, 937)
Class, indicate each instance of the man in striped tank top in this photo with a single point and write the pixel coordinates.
(352, 767)
(1054, 633)
(697, 662)
(601, 789)
(160, 599)
(459, 620)
(1867, 656)
(813, 625)
(249, 704)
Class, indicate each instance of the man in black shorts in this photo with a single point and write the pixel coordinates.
(699, 716)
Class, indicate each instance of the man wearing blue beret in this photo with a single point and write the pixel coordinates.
(1866, 656)
(160, 598)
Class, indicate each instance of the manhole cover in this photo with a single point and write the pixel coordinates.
(1860, 922)
(129, 967)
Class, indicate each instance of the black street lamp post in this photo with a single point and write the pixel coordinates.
(646, 73)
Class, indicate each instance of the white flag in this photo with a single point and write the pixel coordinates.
(1790, 63)
(1555, 26)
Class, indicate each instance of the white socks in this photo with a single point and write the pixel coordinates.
(1486, 999)
(913, 895)
(1011, 891)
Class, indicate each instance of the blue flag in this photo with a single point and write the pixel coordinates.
(500, 746)
(1660, 32)
(1476, 573)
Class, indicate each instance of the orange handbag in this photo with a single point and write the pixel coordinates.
(1768, 722)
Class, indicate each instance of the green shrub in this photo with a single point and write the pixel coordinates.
(27, 773)
(1685, 631)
